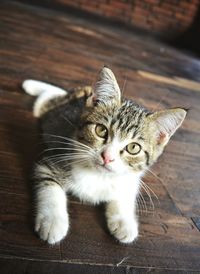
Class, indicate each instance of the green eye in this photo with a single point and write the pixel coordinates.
(101, 131)
(133, 148)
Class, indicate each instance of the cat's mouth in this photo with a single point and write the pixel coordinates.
(104, 168)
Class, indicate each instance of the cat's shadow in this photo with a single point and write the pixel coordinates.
(100, 218)
(98, 212)
(24, 139)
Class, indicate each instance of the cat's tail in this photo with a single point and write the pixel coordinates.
(44, 92)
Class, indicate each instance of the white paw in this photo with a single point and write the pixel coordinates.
(51, 228)
(126, 231)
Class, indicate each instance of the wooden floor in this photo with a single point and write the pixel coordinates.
(53, 46)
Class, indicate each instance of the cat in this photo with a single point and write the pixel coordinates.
(99, 146)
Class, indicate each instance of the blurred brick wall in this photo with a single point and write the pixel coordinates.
(164, 17)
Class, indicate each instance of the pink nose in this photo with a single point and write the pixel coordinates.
(106, 157)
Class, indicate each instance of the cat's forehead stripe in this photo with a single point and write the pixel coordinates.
(129, 119)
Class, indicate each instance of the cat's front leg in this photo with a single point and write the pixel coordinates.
(52, 222)
(121, 220)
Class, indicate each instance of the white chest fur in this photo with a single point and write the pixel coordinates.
(96, 186)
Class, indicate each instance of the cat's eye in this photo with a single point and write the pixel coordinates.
(133, 148)
(101, 131)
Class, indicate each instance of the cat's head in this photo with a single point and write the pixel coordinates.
(123, 136)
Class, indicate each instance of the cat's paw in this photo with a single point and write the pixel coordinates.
(126, 231)
(51, 228)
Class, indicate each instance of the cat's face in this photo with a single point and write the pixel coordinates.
(123, 137)
(115, 137)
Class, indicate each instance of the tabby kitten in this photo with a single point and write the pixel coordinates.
(99, 146)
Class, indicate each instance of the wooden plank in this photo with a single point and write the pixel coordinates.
(68, 51)
(17, 266)
(176, 81)
(19, 144)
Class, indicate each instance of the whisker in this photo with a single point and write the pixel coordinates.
(65, 148)
(148, 187)
(76, 162)
(140, 200)
(65, 155)
(67, 139)
(161, 100)
(139, 203)
(124, 85)
(146, 191)
(59, 159)
(149, 195)
(76, 145)
(144, 202)
(67, 120)
(72, 161)
(73, 151)
(68, 143)
(156, 176)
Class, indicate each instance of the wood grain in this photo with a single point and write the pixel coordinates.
(175, 81)
(57, 47)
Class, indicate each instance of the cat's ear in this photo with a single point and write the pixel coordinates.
(106, 89)
(163, 124)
